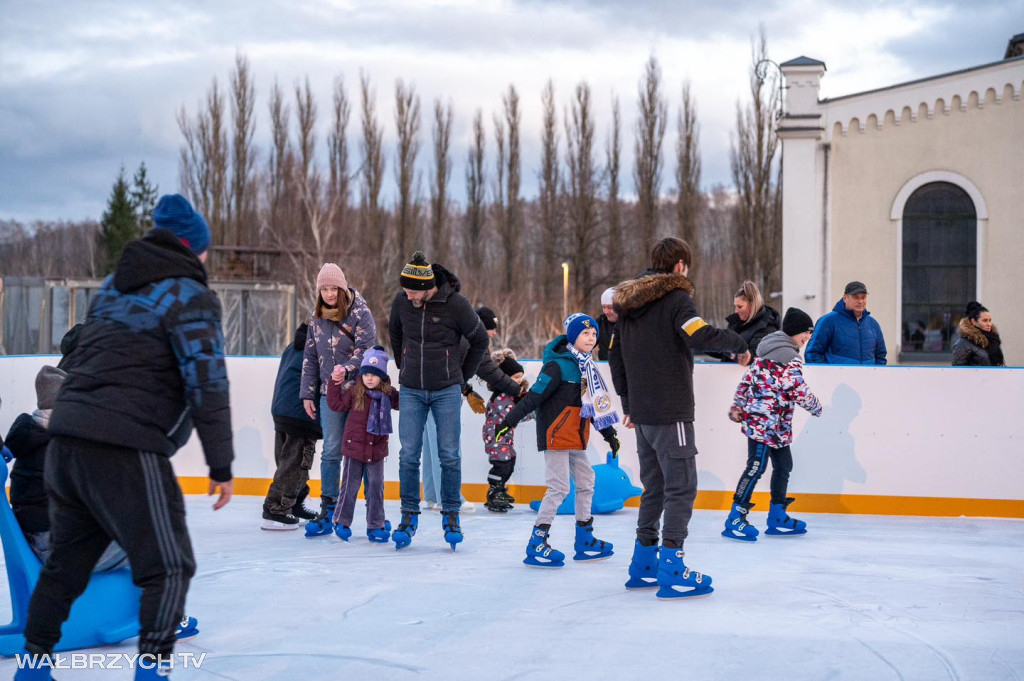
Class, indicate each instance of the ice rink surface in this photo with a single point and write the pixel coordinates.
(858, 597)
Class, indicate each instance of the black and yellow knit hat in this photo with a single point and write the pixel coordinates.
(417, 275)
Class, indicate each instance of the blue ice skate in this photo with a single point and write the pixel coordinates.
(589, 547)
(779, 522)
(150, 670)
(343, 533)
(452, 529)
(381, 535)
(539, 553)
(406, 529)
(643, 568)
(187, 628)
(322, 525)
(736, 525)
(675, 580)
(40, 672)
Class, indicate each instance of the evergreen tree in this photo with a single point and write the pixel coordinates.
(119, 224)
(143, 198)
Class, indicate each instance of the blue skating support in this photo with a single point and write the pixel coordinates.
(107, 613)
(612, 489)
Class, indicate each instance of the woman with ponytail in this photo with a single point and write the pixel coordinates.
(752, 319)
(979, 343)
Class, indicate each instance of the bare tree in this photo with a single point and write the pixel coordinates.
(337, 148)
(280, 160)
(758, 247)
(500, 203)
(650, 132)
(582, 190)
(511, 225)
(476, 187)
(407, 122)
(613, 206)
(442, 138)
(305, 114)
(689, 200)
(372, 216)
(203, 166)
(242, 209)
(550, 178)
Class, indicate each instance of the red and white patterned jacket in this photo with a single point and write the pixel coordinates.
(767, 396)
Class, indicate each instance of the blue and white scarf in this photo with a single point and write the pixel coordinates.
(597, 402)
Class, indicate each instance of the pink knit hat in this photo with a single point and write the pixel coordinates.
(331, 275)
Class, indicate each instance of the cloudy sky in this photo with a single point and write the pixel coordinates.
(88, 86)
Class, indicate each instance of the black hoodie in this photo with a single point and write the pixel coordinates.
(425, 340)
(289, 414)
(150, 359)
(652, 359)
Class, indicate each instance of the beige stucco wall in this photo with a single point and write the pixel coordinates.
(868, 168)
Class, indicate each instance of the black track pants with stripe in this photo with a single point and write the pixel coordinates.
(100, 493)
(758, 455)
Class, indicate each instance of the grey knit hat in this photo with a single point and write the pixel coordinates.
(48, 382)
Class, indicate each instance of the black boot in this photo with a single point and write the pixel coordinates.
(496, 500)
(299, 510)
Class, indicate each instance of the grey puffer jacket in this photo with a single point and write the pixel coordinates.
(425, 340)
(329, 344)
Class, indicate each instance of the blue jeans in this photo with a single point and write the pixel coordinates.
(445, 406)
(432, 465)
(333, 425)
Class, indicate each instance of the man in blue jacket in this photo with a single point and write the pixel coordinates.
(848, 334)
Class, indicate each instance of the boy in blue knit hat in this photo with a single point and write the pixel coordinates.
(569, 394)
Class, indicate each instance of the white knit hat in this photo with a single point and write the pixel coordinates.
(606, 297)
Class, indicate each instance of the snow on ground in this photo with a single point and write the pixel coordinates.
(859, 597)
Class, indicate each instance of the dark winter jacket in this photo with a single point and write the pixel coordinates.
(840, 338)
(27, 440)
(150, 359)
(766, 321)
(771, 389)
(975, 348)
(425, 340)
(289, 414)
(556, 398)
(329, 344)
(358, 443)
(494, 378)
(605, 337)
(652, 360)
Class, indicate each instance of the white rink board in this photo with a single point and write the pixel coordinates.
(890, 431)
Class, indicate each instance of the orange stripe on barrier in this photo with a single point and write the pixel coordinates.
(860, 504)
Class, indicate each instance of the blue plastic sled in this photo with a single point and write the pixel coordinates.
(107, 613)
(612, 489)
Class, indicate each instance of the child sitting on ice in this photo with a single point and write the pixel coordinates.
(569, 394)
(764, 403)
(501, 454)
(365, 443)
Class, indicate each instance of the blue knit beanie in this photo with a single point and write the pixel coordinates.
(174, 213)
(576, 322)
(375, 362)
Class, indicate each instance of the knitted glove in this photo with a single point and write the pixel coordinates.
(735, 414)
(612, 439)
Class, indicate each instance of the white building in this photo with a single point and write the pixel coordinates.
(917, 190)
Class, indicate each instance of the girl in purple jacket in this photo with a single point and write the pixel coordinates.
(365, 444)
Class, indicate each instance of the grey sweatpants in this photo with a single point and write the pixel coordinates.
(668, 471)
(559, 465)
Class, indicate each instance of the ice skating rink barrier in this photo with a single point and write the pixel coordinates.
(936, 441)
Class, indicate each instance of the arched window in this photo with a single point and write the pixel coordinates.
(939, 265)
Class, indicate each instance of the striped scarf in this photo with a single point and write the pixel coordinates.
(597, 402)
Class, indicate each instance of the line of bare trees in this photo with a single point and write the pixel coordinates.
(506, 248)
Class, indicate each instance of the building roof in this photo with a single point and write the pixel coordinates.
(803, 61)
(1015, 47)
(925, 80)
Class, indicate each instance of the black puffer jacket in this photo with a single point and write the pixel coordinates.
(150, 359)
(27, 440)
(426, 340)
(652, 359)
(753, 331)
(286, 408)
(494, 378)
(605, 337)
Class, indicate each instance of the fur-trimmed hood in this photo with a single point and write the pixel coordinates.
(972, 333)
(633, 296)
